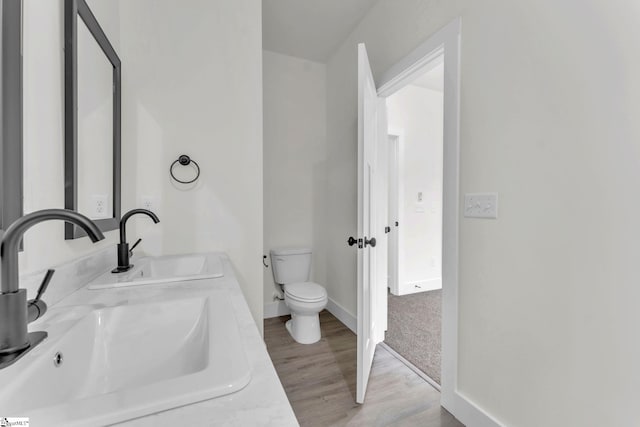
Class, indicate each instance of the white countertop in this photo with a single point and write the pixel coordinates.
(262, 402)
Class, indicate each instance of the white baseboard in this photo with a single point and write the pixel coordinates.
(279, 308)
(424, 286)
(348, 319)
(275, 309)
(470, 414)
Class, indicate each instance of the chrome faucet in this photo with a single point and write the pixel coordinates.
(124, 253)
(15, 311)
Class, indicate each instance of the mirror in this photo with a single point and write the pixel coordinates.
(92, 121)
(10, 112)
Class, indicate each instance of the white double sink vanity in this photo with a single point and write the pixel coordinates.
(172, 342)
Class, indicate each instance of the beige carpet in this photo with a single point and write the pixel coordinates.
(414, 329)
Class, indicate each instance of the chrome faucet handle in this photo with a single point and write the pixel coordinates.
(44, 285)
(134, 246)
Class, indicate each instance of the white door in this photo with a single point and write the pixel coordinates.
(370, 288)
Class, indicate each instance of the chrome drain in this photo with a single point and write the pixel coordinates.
(57, 359)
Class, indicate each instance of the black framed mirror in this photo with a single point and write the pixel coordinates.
(92, 120)
(10, 112)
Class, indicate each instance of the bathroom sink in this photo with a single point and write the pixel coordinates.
(163, 269)
(126, 361)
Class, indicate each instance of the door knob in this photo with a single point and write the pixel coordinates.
(353, 241)
(371, 242)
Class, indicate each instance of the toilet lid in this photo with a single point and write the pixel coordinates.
(305, 291)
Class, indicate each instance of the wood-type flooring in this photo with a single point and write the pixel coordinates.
(320, 382)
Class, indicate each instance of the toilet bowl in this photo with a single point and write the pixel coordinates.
(305, 299)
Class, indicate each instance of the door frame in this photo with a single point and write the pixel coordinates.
(446, 41)
(396, 156)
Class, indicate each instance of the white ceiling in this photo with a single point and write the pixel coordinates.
(432, 79)
(311, 29)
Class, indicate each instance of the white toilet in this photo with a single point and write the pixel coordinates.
(291, 268)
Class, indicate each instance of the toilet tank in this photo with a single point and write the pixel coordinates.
(290, 265)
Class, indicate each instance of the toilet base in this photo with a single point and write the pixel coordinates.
(304, 328)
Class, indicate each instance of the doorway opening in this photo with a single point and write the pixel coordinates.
(415, 117)
(373, 216)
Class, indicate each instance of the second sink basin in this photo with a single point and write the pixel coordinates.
(163, 269)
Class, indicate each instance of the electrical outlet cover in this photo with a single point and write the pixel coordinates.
(100, 206)
(148, 203)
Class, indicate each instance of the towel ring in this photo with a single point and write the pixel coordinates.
(184, 160)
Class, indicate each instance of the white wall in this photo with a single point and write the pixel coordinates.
(418, 112)
(192, 84)
(43, 110)
(548, 292)
(294, 159)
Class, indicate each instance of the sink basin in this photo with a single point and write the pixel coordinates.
(163, 269)
(127, 361)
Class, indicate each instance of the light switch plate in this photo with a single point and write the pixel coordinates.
(481, 205)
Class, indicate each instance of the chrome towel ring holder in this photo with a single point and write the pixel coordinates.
(184, 160)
